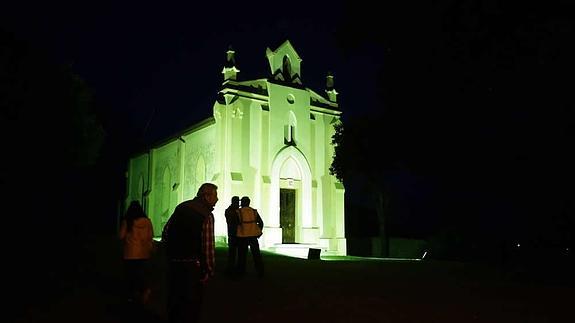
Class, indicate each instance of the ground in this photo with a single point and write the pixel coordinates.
(301, 290)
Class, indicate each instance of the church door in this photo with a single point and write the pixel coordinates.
(287, 215)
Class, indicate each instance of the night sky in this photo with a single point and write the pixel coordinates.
(476, 95)
(162, 64)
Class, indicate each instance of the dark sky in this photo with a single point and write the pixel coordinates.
(476, 94)
(164, 62)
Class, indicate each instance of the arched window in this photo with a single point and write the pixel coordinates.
(200, 173)
(287, 68)
(141, 191)
(289, 129)
(166, 190)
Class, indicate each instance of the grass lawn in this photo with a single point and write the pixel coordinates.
(300, 290)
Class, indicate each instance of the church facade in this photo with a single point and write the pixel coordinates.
(269, 139)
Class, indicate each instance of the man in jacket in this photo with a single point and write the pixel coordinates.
(232, 222)
(189, 239)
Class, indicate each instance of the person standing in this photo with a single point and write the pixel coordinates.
(189, 239)
(136, 234)
(250, 226)
(232, 222)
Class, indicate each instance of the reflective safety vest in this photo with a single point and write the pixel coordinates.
(247, 223)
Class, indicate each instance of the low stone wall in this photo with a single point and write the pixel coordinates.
(398, 247)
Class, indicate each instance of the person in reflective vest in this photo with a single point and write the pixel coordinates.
(250, 226)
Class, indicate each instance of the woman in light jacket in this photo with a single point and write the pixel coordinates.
(136, 234)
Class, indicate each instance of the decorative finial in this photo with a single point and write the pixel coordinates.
(230, 57)
(329, 81)
(330, 90)
(230, 70)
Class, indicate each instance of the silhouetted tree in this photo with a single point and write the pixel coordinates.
(365, 155)
(481, 88)
(51, 138)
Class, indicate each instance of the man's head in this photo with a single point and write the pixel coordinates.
(235, 200)
(245, 201)
(208, 193)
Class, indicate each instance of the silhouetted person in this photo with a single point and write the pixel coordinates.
(189, 239)
(232, 222)
(136, 234)
(250, 226)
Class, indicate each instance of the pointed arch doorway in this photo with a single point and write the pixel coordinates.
(291, 190)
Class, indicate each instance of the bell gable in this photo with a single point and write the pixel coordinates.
(285, 63)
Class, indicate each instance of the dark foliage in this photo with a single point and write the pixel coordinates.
(477, 95)
(51, 139)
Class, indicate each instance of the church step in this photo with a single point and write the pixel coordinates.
(299, 250)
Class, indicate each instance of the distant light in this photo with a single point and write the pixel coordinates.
(424, 254)
(518, 245)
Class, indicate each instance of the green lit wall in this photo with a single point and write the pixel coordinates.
(265, 135)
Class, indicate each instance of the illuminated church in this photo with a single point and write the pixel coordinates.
(269, 139)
